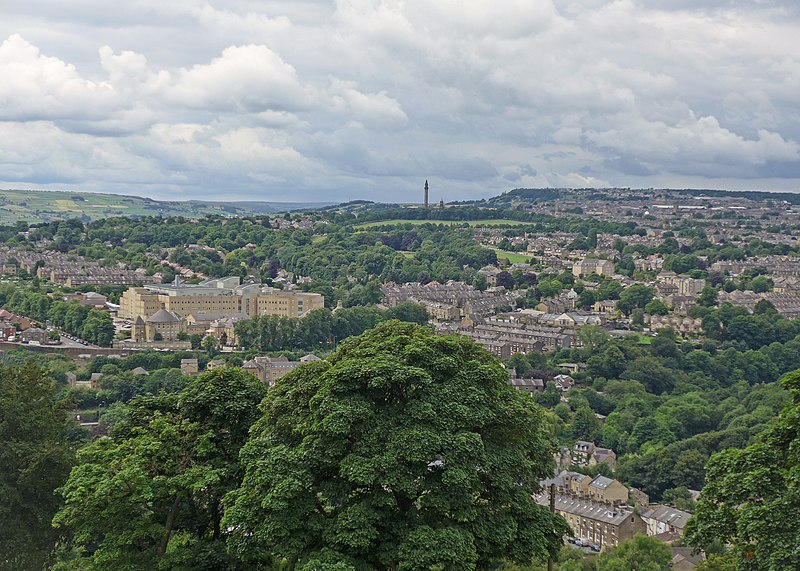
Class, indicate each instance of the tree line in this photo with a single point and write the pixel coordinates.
(321, 328)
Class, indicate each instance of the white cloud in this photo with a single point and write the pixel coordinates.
(371, 108)
(36, 86)
(244, 79)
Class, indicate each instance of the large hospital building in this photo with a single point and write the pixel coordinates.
(224, 296)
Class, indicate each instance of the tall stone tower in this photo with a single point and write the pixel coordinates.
(426, 193)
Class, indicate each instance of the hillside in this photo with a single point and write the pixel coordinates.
(44, 206)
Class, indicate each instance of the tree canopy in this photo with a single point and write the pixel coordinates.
(752, 496)
(150, 495)
(641, 553)
(35, 457)
(404, 450)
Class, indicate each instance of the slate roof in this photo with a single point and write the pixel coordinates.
(587, 509)
(527, 383)
(601, 482)
(163, 316)
(669, 515)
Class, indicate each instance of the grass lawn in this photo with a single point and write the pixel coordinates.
(513, 257)
(500, 222)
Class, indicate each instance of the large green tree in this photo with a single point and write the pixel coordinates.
(752, 496)
(636, 296)
(641, 553)
(404, 450)
(586, 425)
(35, 459)
(150, 496)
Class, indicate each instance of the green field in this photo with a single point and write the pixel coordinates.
(45, 205)
(500, 222)
(512, 257)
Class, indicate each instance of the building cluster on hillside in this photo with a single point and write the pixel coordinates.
(451, 301)
(678, 323)
(533, 385)
(593, 266)
(772, 265)
(70, 270)
(300, 222)
(664, 207)
(598, 511)
(76, 274)
(566, 319)
(670, 283)
(787, 304)
(503, 338)
(585, 453)
(166, 311)
(14, 328)
(89, 299)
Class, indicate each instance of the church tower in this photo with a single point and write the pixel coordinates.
(426, 194)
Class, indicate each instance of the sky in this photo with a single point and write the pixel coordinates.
(306, 100)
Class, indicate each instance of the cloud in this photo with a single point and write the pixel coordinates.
(36, 86)
(250, 78)
(363, 98)
(372, 108)
(697, 146)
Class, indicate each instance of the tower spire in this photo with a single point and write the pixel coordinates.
(426, 193)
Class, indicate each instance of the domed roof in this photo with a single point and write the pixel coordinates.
(163, 316)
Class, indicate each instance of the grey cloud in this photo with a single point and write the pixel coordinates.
(628, 166)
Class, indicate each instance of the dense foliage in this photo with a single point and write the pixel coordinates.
(150, 496)
(752, 496)
(37, 445)
(668, 404)
(404, 450)
(321, 328)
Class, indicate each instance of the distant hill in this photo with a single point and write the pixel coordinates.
(527, 196)
(45, 205)
(524, 195)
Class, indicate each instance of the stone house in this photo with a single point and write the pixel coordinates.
(190, 366)
(587, 454)
(270, 369)
(589, 266)
(665, 522)
(597, 523)
(607, 490)
(7, 330)
(530, 386)
(36, 335)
